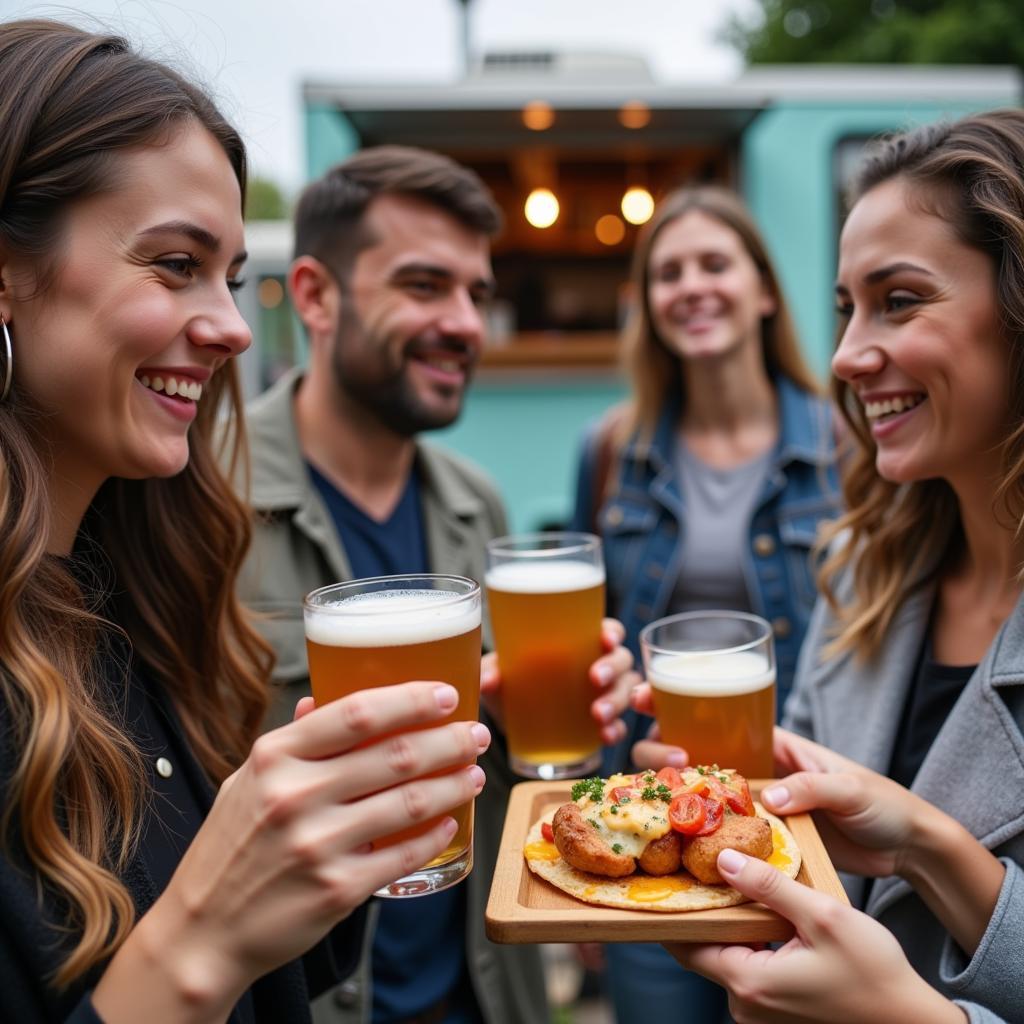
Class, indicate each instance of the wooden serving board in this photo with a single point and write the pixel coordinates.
(525, 908)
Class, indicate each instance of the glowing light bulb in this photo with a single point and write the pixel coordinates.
(637, 205)
(541, 208)
(609, 229)
(538, 115)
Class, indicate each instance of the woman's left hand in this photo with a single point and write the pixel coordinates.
(842, 966)
(611, 674)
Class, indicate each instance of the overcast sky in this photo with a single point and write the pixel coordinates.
(255, 54)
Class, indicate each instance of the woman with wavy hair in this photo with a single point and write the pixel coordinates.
(158, 862)
(912, 678)
(708, 486)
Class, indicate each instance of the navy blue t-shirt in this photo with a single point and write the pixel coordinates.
(418, 953)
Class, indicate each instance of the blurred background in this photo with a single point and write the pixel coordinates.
(578, 114)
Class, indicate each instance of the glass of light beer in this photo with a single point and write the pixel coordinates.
(712, 677)
(545, 594)
(396, 629)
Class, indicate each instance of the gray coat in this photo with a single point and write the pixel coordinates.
(297, 549)
(974, 772)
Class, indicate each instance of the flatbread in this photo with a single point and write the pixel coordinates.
(639, 891)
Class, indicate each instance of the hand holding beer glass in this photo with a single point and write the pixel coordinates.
(712, 678)
(396, 629)
(546, 600)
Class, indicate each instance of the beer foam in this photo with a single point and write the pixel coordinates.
(710, 674)
(544, 577)
(391, 618)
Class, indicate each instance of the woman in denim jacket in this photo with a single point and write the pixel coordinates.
(708, 487)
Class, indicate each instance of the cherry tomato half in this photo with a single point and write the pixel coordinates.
(737, 796)
(547, 832)
(686, 814)
(670, 777)
(714, 812)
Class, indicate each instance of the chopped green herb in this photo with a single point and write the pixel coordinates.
(594, 822)
(624, 800)
(722, 777)
(615, 808)
(649, 793)
(664, 793)
(700, 771)
(593, 788)
(616, 848)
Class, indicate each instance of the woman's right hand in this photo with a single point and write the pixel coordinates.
(286, 852)
(869, 824)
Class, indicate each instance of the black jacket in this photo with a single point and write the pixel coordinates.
(32, 943)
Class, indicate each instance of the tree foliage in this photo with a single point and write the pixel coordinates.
(881, 32)
(264, 200)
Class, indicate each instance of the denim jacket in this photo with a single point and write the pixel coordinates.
(642, 520)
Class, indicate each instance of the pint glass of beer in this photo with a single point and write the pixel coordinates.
(395, 629)
(545, 593)
(712, 677)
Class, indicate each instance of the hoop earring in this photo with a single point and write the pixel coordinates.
(7, 370)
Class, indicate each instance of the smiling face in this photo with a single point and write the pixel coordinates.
(922, 346)
(116, 347)
(705, 293)
(410, 326)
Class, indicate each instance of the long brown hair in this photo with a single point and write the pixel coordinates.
(895, 536)
(70, 101)
(654, 370)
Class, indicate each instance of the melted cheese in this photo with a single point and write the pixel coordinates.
(649, 889)
(778, 859)
(541, 851)
(631, 826)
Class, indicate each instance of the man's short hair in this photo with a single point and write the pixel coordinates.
(328, 219)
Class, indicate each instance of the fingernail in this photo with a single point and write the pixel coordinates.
(605, 710)
(451, 826)
(731, 861)
(482, 735)
(777, 796)
(604, 674)
(677, 760)
(447, 697)
(476, 773)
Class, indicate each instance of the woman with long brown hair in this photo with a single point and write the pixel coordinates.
(912, 678)
(158, 861)
(709, 485)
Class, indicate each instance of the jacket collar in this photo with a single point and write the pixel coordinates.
(805, 431)
(279, 480)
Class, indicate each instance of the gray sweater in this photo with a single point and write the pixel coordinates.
(974, 772)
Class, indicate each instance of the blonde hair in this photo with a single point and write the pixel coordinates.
(654, 370)
(69, 101)
(895, 537)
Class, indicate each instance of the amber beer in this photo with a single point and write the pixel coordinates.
(390, 630)
(719, 705)
(546, 615)
(720, 709)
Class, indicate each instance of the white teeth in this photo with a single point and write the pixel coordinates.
(189, 389)
(901, 403)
